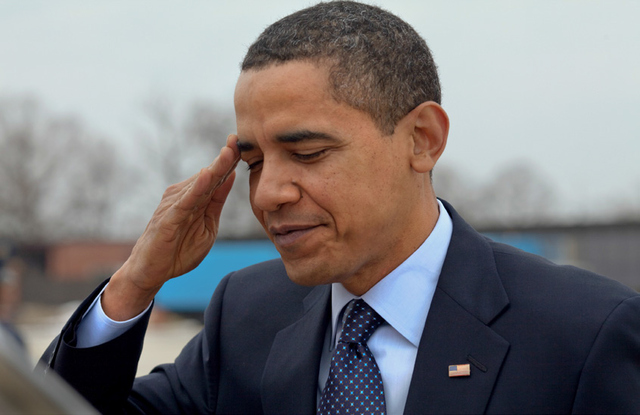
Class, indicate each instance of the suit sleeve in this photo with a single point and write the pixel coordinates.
(610, 379)
(102, 374)
(190, 384)
(105, 374)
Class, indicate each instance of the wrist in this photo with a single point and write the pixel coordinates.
(122, 299)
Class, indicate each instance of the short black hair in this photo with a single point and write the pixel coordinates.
(377, 62)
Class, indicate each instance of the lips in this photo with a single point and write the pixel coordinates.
(287, 235)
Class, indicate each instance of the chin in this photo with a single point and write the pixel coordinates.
(308, 276)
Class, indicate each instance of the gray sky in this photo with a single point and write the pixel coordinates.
(553, 83)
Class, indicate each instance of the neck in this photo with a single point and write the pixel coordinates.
(416, 233)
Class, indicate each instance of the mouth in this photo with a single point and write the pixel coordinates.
(287, 235)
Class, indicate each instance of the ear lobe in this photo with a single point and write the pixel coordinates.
(430, 132)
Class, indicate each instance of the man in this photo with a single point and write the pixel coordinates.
(339, 123)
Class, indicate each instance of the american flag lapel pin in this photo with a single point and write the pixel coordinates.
(459, 370)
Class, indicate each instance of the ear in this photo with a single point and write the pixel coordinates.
(430, 130)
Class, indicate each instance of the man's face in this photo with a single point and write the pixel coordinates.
(336, 196)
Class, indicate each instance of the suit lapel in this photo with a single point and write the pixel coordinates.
(452, 337)
(290, 380)
(468, 297)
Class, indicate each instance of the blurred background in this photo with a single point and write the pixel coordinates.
(104, 104)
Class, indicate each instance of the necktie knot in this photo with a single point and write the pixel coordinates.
(360, 323)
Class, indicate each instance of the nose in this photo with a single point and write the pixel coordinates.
(274, 187)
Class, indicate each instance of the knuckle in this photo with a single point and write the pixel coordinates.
(171, 190)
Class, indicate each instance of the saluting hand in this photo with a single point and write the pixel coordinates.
(178, 237)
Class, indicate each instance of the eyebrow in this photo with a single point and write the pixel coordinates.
(244, 146)
(304, 135)
(291, 138)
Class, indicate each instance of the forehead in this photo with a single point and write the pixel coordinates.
(286, 99)
(294, 100)
(301, 81)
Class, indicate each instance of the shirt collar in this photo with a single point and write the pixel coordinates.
(403, 297)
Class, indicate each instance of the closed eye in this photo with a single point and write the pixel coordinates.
(254, 165)
(309, 157)
(302, 157)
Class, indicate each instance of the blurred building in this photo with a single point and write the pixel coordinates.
(70, 271)
(64, 272)
(612, 249)
(79, 261)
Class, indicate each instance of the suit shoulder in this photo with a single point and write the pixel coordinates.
(536, 280)
(266, 281)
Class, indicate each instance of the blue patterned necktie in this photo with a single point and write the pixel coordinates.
(354, 384)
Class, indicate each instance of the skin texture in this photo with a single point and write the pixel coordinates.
(177, 238)
(341, 200)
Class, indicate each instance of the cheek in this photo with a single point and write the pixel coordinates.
(372, 193)
(344, 196)
(253, 182)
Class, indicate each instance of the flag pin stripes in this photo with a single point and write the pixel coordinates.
(459, 370)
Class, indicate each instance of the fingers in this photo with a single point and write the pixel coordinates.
(190, 199)
(219, 169)
(197, 192)
(224, 164)
(222, 191)
(226, 161)
(218, 199)
(185, 224)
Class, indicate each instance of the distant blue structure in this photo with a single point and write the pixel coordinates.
(191, 292)
(608, 249)
(527, 242)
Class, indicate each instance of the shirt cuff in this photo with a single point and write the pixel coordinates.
(97, 328)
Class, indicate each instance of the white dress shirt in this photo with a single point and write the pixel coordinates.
(402, 298)
(97, 328)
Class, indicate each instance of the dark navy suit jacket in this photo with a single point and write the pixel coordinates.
(540, 338)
